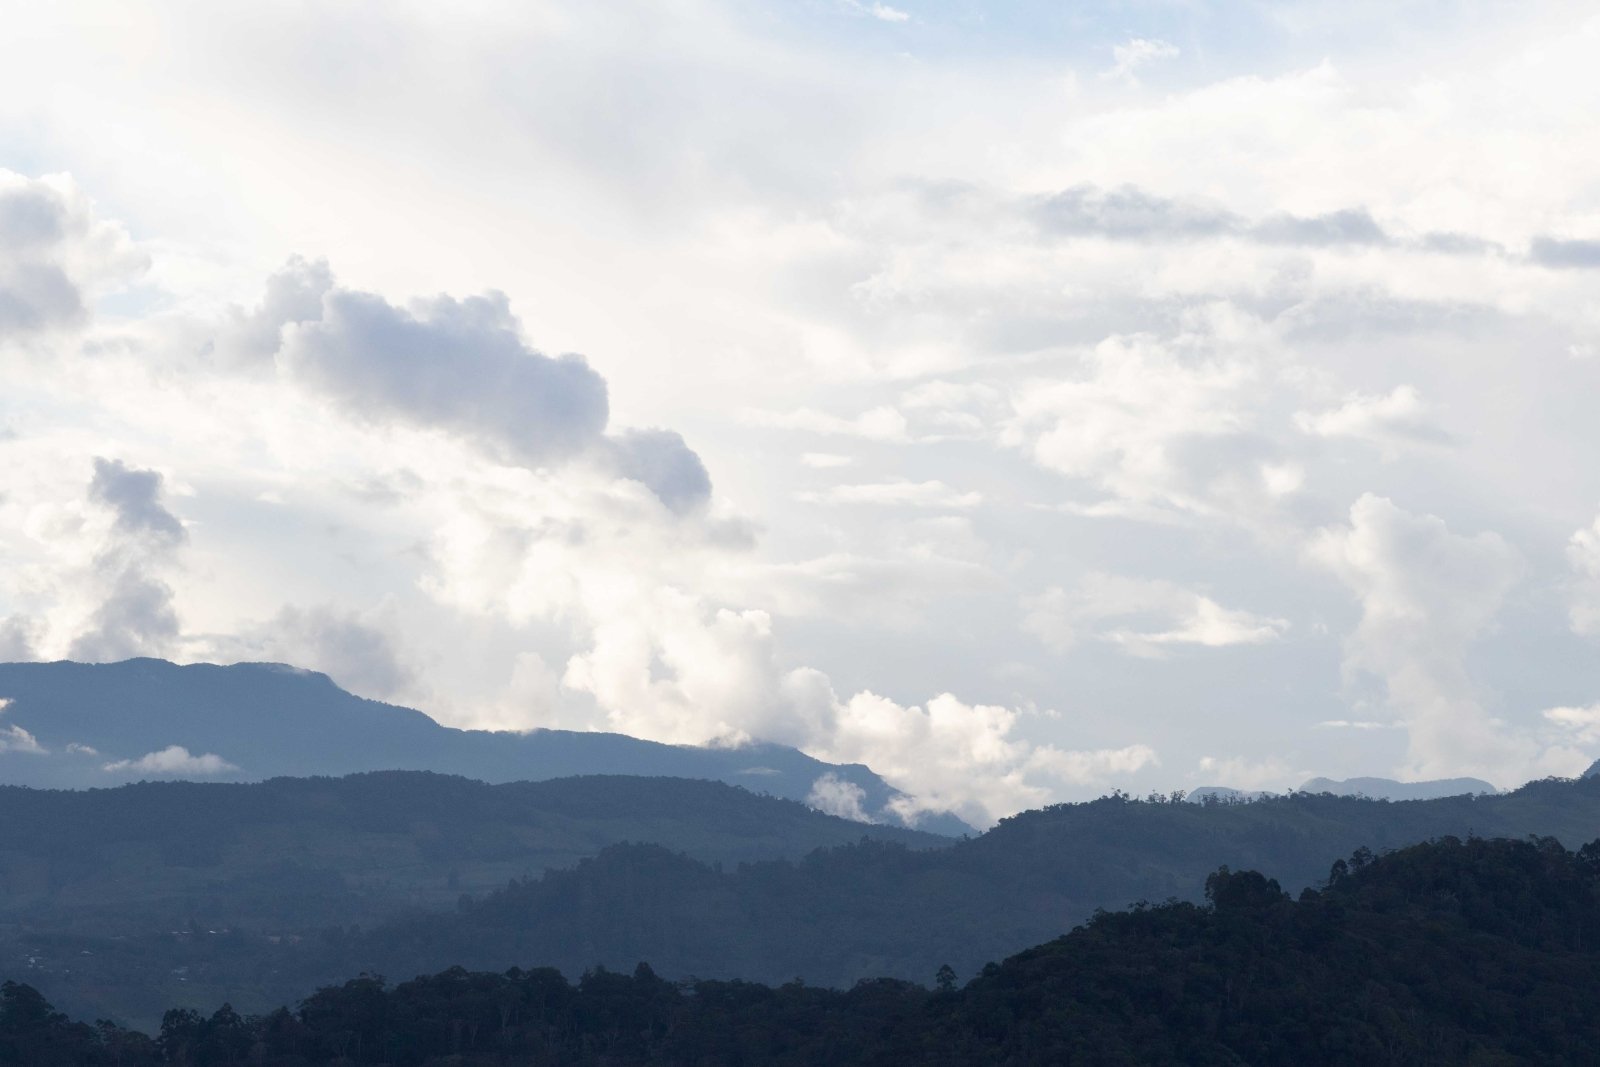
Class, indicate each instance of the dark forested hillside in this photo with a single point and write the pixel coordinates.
(1483, 951)
(101, 724)
(864, 910)
(293, 852)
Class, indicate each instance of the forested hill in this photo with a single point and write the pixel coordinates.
(94, 724)
(836, 916)
(1446, 953)
(872, 909)
(294, 853)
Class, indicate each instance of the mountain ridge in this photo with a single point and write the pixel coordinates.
(112, 723)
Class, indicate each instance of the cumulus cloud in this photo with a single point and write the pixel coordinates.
(135, 615)
(173, 760)
(1427, 594)
(55, 255)
(1164, 427)
(1399, 417)
(458, 366)
(1582, 724)
(1143, 617)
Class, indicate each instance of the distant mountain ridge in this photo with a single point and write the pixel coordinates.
(87, 725)
(1389, 789)
(1375, 788)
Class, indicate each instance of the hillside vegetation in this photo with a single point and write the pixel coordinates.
(863, 910)
(1474, 952)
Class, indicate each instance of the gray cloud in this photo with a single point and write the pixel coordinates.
(1130, 213)
(135, 615)
(665, 464)
(135, 497)
(1556, 252)
(52, 252)
(457, 365)
(351, 650)
(1350, 226)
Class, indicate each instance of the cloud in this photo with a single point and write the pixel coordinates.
(880, 11)
(930, 494)
(1358, 724)
(947, 755)
(1583, 724)
(135, 614)
(1238, 772)
(460, 366)
(1569, 254)
(832, 795)
(1131, 213)
(825, 460)
(1162, 426)
(1426, 594)
(1143, 617)
(55, 254)
(1583, 555)
(661, 462)
(173, 760)
(15, 738)
(352, 649)
(1135, 53)
(877, 424)
(18, 636)
(1398, 417)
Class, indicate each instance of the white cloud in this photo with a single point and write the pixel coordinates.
(832, 795)
(1400, 417)
(930, 494)
(877, 424)
(15, 738)
(825, 460)
(1583, 554)
(1427, 595)
(1238, 772)
(1141, 616)
(1582, 724)
(880, 11)
(1136, 53)
(173, 760)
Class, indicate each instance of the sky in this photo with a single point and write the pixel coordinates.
(1026, 400)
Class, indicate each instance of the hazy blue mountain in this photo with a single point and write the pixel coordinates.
(107, 724)
(1389, 789)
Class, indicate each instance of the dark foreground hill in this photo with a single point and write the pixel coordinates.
(292, 854)
(839, 915)
(95, 724)
(1476, 952)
